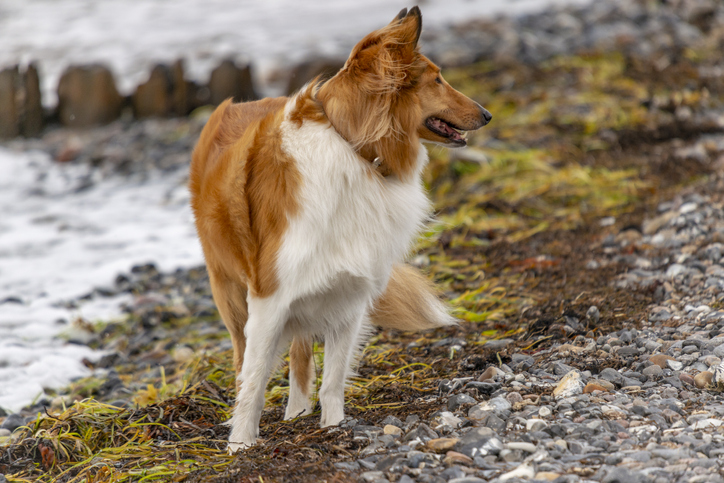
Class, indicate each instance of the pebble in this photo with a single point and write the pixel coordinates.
(661, 360)
(593, 386)
(687, 379)
(528, 447)
(442, 444)
(488, 374)
(570, 385)
(13, 422)
(703, 379)
(453, 458)
(524, 472)
(392, 430)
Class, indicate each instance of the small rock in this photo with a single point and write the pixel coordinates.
(653, 370)
(661, 360)
(593, 314)
(546, 476)
(13, 422)
(514, 397)
(527, 447)
(392, 430)
(687, 379)
(706, 423)
(703, 379)
(442, 444)
(592, 386)
(535, 425)
(488, 374)
(524, 472)
(422, 432)
(674, 365)
(455, 458)
(466, 479)
(570, 385)
(371, 476)
(459, 400)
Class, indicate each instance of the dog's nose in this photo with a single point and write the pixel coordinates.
(485, 115)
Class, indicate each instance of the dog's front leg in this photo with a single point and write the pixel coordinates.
(339, 347)
(263, 330)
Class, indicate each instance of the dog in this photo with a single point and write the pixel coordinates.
(306, 208)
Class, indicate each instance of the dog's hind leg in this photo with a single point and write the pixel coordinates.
(230, 299)
(340, 347)
(301, 377)
(264, 333)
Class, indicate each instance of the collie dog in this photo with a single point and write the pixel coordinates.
(306, 207)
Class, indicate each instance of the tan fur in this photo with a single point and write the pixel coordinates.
(409, 303)
(242, 191)
(301, 362)
(386, 90)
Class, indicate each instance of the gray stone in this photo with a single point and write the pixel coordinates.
(719, 351)
(345, 466)
(494, 422)
(393, 421)
(593, 314)
(13, 422)
(473, 442)
(422, 432)
(623, 475)
(458, 400)
(628, 351)
(611, 375)
(652, 370)
(453, 473)
(372, 476)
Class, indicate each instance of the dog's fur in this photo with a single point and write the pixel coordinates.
(306, 207)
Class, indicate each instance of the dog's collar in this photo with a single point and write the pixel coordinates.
(378, 163)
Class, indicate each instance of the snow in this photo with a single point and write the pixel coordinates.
(58, 242)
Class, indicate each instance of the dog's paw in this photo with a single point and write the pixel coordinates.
(238, 446)
(331, 419)
(296, 411)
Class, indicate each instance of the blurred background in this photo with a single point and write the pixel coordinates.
(600, 110)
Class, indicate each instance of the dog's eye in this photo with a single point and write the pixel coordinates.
(438, 80)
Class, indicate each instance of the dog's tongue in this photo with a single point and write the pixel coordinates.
(445, 128)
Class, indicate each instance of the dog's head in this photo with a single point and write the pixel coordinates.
(388, 96)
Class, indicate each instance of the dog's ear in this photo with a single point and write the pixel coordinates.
(406, 27)
(400, 16)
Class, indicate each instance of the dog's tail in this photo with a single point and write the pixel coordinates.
(410, 302)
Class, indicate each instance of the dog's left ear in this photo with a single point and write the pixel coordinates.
(406, 27)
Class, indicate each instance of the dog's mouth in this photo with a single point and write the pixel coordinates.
(446, 130)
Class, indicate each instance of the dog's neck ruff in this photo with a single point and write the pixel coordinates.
(378, 163)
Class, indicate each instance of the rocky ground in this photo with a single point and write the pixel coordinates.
(581, 243)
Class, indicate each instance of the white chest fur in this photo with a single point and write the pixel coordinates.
(352, 223)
